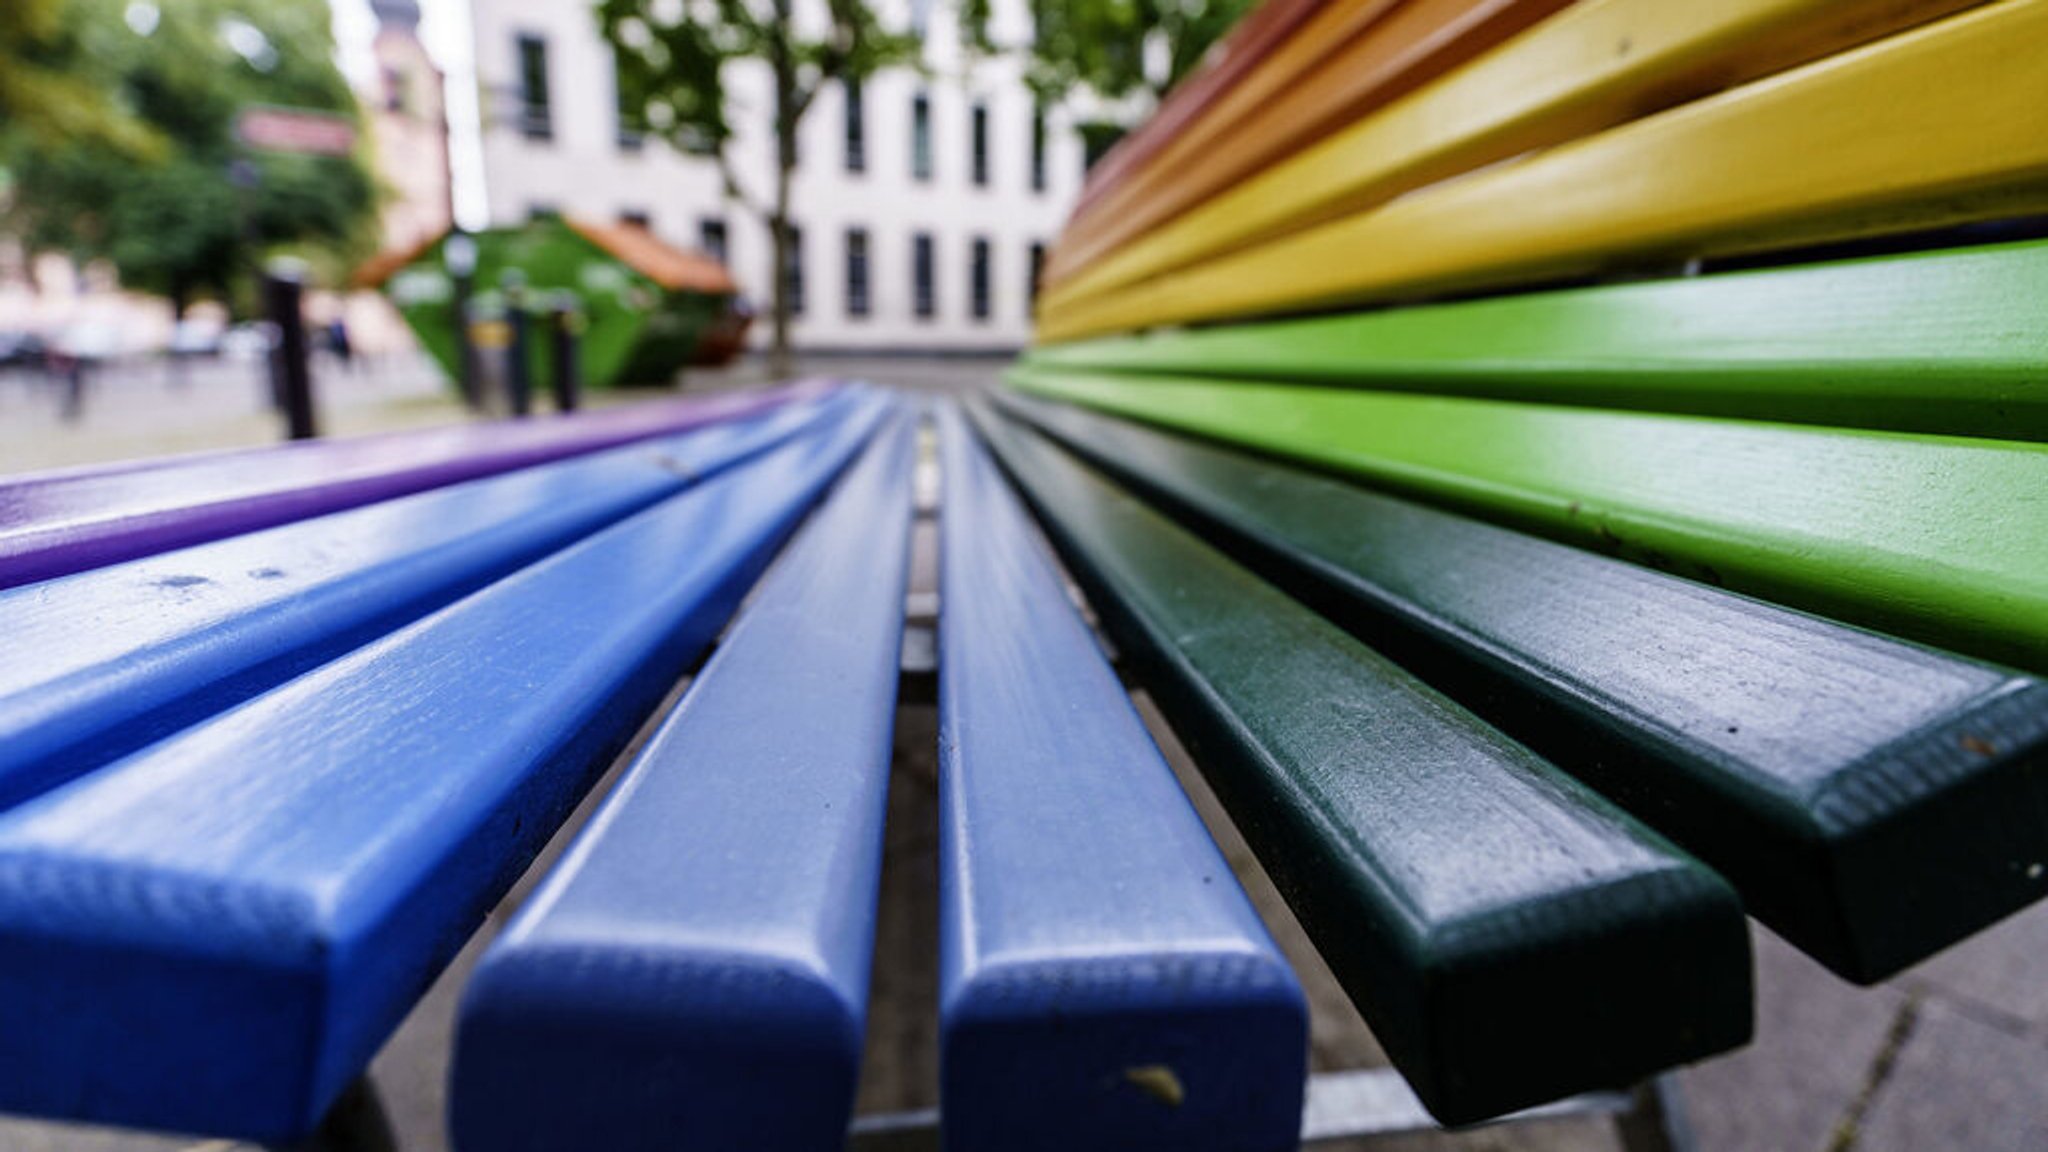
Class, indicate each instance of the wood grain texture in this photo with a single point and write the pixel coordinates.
(1510, 936)
(216, 934)
(1258, 33)
(1934, 126)
(695, 972)
(1873, 801)
(1950, 342)
(56, 523)
(104, 662)
(1104, 984)
(1933, 538)
(1293, 100)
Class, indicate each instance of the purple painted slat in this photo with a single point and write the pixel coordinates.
(57, 523)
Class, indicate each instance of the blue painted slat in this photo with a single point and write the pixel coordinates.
(215, 934)
(1104, 982)
(695, 972)
(107, 661)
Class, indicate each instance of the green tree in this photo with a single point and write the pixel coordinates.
(1118, 48)
(47, 90)
(191, 219)
(673, 60)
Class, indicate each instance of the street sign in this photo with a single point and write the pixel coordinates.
(270, 129)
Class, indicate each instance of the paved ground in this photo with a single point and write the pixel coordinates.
(1954, 1055)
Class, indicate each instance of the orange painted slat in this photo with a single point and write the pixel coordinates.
(1312, 87)
(1262, 30)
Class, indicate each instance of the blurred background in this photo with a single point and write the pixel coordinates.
(905, 171)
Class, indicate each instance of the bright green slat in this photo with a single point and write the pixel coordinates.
(1950, 342)
(1937, 538)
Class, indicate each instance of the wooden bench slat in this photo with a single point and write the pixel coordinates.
(694, 974)
(214, 935)
(56, 523)
(1873, 801)
(1349, 65)
(1104, 982)
(1938, 125)
(1568, 77)
(1945, 342)
(106, 661)
(1918, 536)
(1510, 936)
(1256, 35)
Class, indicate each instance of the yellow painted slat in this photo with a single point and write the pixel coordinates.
(1947, 122)
(1599, 64)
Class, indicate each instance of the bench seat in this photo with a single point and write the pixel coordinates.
(694, 973)
(216, 933)
(1104, 984)
(1510, 936)
(1868, 796)
(185, 634)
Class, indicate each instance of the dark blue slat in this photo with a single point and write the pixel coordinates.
(1104, 982)
(106, 661)
(215, 934)
(695, 973)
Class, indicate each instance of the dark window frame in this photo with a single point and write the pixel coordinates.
(715, 238)
(536, 92)
(924, 276)
(1036, 260)
(856, 128)
(981, 279)
(978, 119)
(921, 137)
(859, 275)
(1039, 159)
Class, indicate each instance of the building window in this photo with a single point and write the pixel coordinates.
(856, 129)
(542, 210)
(856, 272)
(920, 137)
(1037, 147)
(711, 238)
(1037, 271)
(924, 293)
(793, 270)
(536, 110)
(978, 277)
(631, 108)
(980, 145)
(637, 218)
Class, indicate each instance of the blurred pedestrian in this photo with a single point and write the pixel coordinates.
(338, 340)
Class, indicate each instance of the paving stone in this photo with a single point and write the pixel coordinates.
(1816, 1037)
(1998, 973)
(1960, 1083)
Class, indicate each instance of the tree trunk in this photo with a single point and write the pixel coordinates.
(784, 64)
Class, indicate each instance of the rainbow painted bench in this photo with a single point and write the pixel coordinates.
(1548, 554)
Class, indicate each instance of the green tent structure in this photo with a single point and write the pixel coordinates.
(643, 309)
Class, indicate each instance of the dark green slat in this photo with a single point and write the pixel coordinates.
(1510, 936)
(1875, 801)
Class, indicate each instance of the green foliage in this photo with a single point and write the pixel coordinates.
(47, 90)
(171, 219)
(1100, 44)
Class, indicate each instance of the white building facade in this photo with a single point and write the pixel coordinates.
(922, 204)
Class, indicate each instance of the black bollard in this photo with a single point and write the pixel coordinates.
(291, 366)
(518, 369)
(564, 322)
(459, 253)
